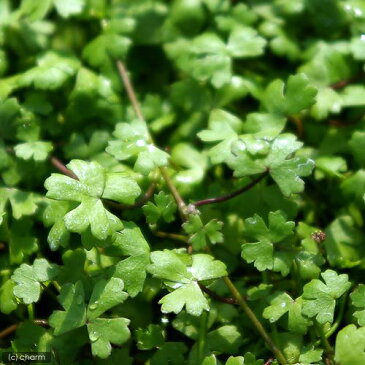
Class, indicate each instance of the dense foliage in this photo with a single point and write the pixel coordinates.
(219, 222)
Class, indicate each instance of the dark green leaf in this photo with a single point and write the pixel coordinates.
(104, 332)
(72, 299)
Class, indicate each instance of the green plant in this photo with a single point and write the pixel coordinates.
(166, 222)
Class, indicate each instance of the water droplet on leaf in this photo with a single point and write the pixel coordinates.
(93, 306)
(94, 336)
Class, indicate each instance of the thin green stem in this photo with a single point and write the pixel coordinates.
(30, 308)
(297, 283)
(338, 320)
(327, 346)
(202, 336)
(173, 236)
(251, 315)
(56, 285)
(265, 277)
(325, 342)
(5, 272)
(98, 262)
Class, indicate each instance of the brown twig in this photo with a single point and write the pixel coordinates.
(7, 331)
(12, 328)
(223, 198)
(218, 297)
(62, 168)
(341, 84)
(56, 163)
(269, 361)
(340, 124)
(137, 109)
(129, 88)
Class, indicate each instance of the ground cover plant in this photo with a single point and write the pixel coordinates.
(183, 182)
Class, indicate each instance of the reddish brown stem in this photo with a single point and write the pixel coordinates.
(62, 168)
(341, 124)
(340, 84)
(7, 331)
(12, 328)
(226, 197)
(343, 83)
(217, 297)
(129, 88)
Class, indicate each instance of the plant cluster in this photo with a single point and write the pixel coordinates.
(153, 159)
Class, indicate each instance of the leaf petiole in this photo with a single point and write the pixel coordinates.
(232, 195)
(30, 308)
